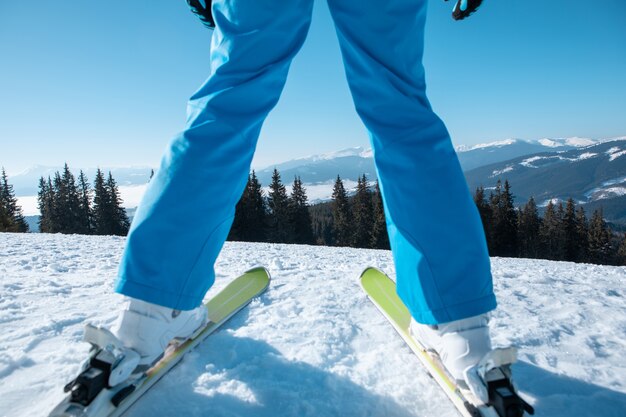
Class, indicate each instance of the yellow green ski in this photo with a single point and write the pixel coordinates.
(114, 401)
(381, 290)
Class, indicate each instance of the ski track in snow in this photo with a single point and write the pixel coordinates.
(312, 345)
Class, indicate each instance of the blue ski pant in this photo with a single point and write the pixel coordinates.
(439, 248)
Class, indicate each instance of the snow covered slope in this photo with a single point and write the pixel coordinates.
(313, 345)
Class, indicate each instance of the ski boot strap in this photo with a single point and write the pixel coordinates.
(491, 381)
(110, 364)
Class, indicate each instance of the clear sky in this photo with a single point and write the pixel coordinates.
(105, 83)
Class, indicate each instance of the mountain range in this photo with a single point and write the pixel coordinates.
(353, 162)
(594, 176)
(592, 172)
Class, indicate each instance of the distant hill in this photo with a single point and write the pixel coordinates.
(352, 162)
(348, 163)
(475, 156)
(593, 176)
(593, 172)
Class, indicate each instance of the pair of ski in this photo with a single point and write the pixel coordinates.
(92, 394)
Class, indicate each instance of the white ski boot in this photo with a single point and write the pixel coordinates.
(149, 328)
(460, 344)
(464, 347)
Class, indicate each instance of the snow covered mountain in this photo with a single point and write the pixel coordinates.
(322, 170)
(352, 162)
(312, 345)
(475, 156)
(318, 172)
(592, 175)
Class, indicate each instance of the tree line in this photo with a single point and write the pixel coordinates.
(356, 221)
(277, 218)
(70, 205)
(563, 234)
(11, 217)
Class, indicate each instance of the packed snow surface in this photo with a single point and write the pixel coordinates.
(312, 345)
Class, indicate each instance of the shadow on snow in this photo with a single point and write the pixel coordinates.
(557, 395)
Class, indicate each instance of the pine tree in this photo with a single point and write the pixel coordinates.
(322, 219)
(65, 213)
(11, 217)
(45, 203)
(582, 235)
(503, 225)
(119, 219)
(599, 239)
(551, 234)
(528, 230)
(250, 221)
(300, 217)
(280, 228)
(109, 217)
(72, 210)
(571, 250)
(621, 252)
(341, 215)
(380, 238)
(85, 215)
(101, 204)
(561, 216)
(258, 211)
(6, 223)
(363, 214)
(485, 213)
(240, 221)
(59, 218)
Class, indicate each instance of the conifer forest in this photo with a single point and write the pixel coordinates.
(353, 218)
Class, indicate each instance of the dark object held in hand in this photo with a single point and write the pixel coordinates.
(203, 11)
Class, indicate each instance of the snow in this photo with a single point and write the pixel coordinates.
(354, 151)
(615, 153)
(608, 189)
(614, 181)
(497, 172)
(605, 193)
(497, 144)
(528, 162)
(545, 203)
(585, 155)
(575, 141)
(312, 345)
(549, 143)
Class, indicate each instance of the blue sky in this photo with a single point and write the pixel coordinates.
(105, 83)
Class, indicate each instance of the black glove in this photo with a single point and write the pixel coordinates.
(203, 12)
(464, 8)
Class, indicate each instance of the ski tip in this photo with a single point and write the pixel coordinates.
(371, 269)
(258, 269)
(262, 273)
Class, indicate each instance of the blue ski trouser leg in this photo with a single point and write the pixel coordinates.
(442, 265)
(188, 208)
